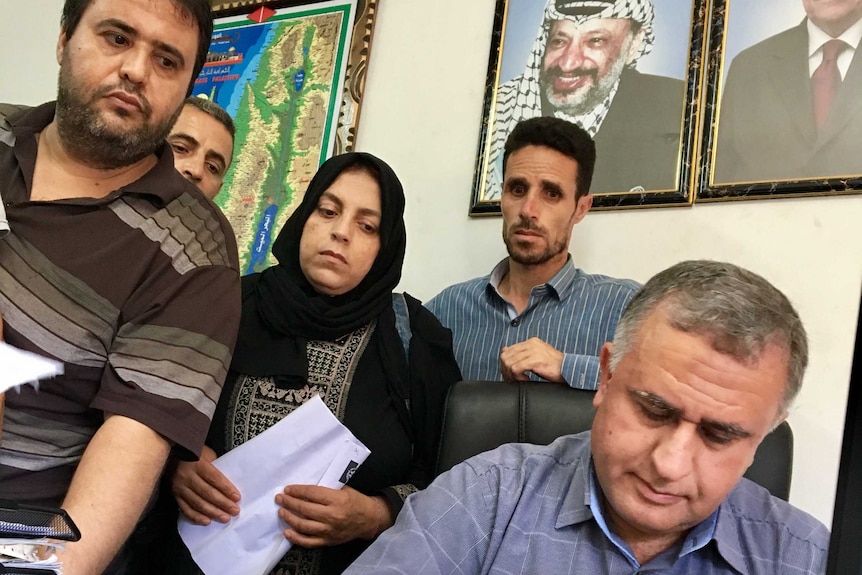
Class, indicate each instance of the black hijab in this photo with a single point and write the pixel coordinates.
(282, 311)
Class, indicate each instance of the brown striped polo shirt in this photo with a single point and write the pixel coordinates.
(136, 293)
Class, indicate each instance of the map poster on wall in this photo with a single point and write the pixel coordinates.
(279, 73)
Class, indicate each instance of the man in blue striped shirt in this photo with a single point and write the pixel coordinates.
(536, 316)
(705, 363)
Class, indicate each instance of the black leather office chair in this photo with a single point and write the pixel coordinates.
(482, 415)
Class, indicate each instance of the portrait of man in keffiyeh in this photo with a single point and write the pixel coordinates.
(581, 68)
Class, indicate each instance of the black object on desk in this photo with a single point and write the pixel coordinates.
(34, 522)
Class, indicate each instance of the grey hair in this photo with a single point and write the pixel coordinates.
(739, 310)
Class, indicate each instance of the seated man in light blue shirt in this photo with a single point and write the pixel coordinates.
(705, 362)
(536, 316)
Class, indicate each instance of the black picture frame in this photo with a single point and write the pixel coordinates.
(681, 190)
(734, 117)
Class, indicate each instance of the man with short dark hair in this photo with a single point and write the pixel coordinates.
(790, 107)
(706, 360)
(202, 142)
(115, 266)
(536, 316)
(582, 69)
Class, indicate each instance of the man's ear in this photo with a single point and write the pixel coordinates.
(605, 373)
(61, 45)
(583, 206)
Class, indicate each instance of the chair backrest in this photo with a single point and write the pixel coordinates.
(482, 415)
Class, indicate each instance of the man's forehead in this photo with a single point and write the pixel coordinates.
(203, 120)
(692, 355)
(539, 159)
(148, 12)
(157, 7)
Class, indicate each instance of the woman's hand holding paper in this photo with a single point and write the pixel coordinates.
(203, 492)
(319, 516)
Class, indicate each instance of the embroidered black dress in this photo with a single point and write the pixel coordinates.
(348, 376)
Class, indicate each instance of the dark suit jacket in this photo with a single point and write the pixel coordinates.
(766, 125)
(638, 142)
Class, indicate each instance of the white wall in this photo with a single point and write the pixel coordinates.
(28, 36)
(422, 112)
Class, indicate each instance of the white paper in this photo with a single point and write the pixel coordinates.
(18, 366)
(24, 553)
(4, 221)
(310, 447)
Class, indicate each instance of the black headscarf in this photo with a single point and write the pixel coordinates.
(282, 311)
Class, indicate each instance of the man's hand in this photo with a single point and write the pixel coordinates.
(532, 355)
(203, 492)
(319, 516)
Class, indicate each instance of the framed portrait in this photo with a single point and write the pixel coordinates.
(783, 117)
(627, 71)
(291, 75)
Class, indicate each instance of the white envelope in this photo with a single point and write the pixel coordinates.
(309, 446)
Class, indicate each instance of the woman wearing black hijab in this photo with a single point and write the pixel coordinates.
(322, 322)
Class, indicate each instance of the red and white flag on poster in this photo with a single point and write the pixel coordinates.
(262, 14)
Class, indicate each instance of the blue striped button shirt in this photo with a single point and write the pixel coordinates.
(575, 312)
(526, 509)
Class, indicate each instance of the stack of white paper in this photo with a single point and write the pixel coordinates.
(23, 553)
(309, 446)
(21, 366)
(4, 221)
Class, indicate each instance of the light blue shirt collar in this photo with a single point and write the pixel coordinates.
(697, 538)
(557, 285)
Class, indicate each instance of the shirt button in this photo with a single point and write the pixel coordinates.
(516, 322)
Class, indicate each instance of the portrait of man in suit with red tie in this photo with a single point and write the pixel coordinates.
(791, 106)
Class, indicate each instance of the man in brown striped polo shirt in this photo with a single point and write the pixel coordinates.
(116, 266)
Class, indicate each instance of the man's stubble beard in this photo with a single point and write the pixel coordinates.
(89, 139)
(529, 258)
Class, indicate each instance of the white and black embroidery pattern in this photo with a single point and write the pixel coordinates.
(298, 561)
(257, 404)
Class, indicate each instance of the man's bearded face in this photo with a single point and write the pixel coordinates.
(582, 63)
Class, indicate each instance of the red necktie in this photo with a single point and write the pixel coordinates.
(826, 80)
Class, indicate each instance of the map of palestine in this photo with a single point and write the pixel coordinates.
(279, 81)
